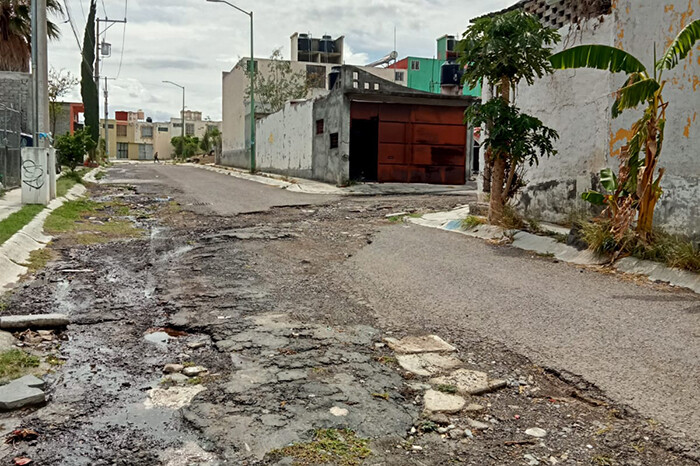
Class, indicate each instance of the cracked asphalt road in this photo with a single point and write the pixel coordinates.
(208, 192)
(638, 343)
(286, 307)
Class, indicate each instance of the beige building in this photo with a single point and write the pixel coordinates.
(311, 56)
(134, 137)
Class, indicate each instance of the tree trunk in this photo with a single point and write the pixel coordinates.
(498, 171)
(488, 166)
(496, 204)
(650, 196)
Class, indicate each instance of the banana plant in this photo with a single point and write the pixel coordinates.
(638, 187)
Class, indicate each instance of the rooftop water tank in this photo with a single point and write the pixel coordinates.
(326, 45)
(450, 74)
(333, 77)
(304, 43)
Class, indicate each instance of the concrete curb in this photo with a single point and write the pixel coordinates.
(15, 251)
(655, 271)
(306, 186)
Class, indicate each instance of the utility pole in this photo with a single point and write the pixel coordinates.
(111, 23)
(182, 139)
(251, 70)
(40, 71)
(106, 123)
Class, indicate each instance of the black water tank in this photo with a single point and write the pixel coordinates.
(326, 45)
(149, 120)
(304, 43)
(450, 74)
(333, 77)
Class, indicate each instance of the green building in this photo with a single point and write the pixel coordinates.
(424, 73)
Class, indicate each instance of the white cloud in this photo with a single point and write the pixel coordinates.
(192, 41)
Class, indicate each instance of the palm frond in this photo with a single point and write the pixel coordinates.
(632, 95)
(680, 48)
(602, 57)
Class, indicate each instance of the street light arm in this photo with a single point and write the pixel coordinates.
(174, 84)
(249, 13)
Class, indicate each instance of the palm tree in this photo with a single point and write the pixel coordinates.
(16, 32)
(637, 186)
(504, 49)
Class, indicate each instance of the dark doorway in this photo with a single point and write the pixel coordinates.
(364, 143)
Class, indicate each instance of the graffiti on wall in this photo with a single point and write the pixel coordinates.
(32, 174)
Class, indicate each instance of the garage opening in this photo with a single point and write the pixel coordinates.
(364, 144)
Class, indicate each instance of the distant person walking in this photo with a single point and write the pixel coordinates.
(155, 157)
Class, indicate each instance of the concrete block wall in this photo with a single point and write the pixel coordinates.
(577, 104)
(332, 165)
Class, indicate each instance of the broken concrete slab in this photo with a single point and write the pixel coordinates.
(175, 378)
(194, 371)
(172, 368)
(438, 402)
(427, 364)
(173, 397)
(469, 382)
(31, 381)
(422, 344)
(7, 341)
(16, 395)
(34, 321)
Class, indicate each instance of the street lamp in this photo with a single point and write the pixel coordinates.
(182, 117)
(251, 69)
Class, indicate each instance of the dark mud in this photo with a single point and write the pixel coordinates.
(289, 348)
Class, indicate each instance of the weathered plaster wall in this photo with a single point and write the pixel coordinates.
(284, 140)
(577, 104)
(332, 165)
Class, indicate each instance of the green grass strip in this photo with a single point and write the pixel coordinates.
(17, 220)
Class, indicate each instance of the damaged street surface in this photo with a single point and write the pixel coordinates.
(214, 320)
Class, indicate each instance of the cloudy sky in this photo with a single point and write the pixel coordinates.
(192, 41)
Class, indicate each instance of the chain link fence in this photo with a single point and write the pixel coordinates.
(10, 147)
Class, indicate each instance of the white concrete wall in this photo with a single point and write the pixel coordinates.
(235, 106)
(284, 140)
(577, 104)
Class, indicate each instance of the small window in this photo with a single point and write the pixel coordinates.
(354, 84)
(319, 126)
(398, 76)
(110, 126)
(121, 130)
(355, 75)
(147, 131)
(189, 129)
(334, 140)
(415, 65)
(162, 129)
(376, 86)
(366, 85)
(177, 125)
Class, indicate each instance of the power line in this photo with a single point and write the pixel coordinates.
(121, 54)
(103, 8)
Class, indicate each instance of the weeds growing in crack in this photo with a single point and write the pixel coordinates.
(335, 446)
(16, 363)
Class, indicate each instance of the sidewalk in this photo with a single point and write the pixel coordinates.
(544, 245)
(306, 186)
(10, 203)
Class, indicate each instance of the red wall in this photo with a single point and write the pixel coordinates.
(418, 143)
